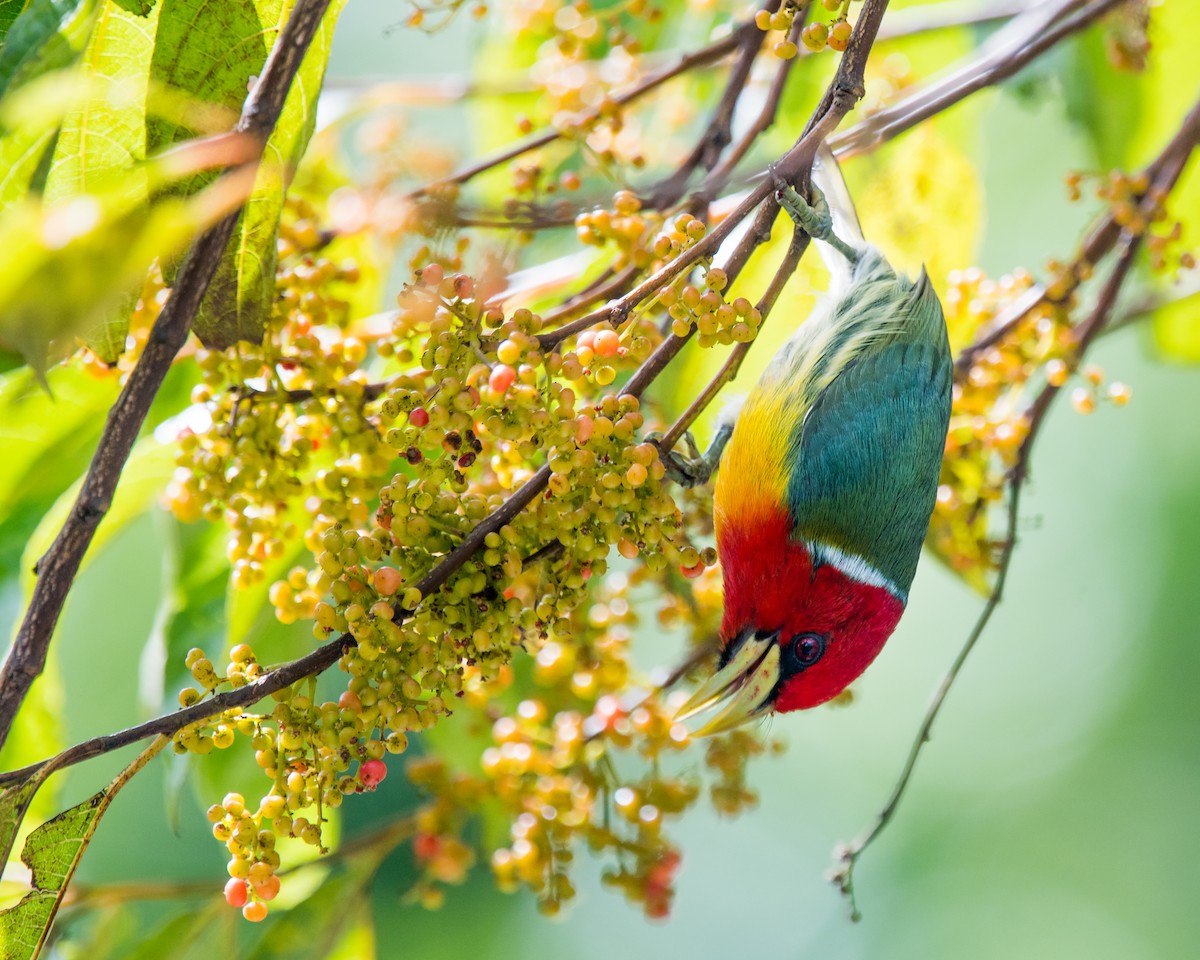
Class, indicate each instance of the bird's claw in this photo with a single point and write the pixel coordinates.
(813, 217)
(689, 471)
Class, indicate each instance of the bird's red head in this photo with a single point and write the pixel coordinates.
(801, 623)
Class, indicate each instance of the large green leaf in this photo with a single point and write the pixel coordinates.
(103, 141)
(70, 265)
(212, 49)
(9, 11)
(52, 852)
(46, 36)
(238, 303)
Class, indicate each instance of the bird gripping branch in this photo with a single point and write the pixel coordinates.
(827, 480)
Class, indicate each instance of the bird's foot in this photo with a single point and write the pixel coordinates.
(813, 218)
(692, 470)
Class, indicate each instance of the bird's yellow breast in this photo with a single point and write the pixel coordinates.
(752, 482)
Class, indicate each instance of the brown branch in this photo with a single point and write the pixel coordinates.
(719, 174)
(608, 285)
(952, 13)
(169, 724)
(718, 133)
(56, 570)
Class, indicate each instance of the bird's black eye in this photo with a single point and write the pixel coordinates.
(808, 648)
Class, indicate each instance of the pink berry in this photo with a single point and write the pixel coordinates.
(503, 376)
(587, 339)
(419, 417)
(236, 892)
(372, 773)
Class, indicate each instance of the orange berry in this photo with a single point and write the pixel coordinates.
(387, 581)
(839, 35)
(1056, 373)
(1119, 394)
(605, 343)
(267, 889)
(255, 912)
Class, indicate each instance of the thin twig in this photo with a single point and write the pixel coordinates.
(718, 133)
(56, 570)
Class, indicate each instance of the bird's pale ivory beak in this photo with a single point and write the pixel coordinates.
(746, 680)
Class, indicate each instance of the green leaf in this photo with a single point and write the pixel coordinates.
(239, 299)
(52, 852)
(27, 141)
(13, 804)
(70, 265)
(103, 140)
(212, 49)
(9, 11)
(47, 35)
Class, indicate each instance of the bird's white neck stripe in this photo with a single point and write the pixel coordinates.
(855, 567)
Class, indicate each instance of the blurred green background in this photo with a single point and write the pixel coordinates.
(1056, 812)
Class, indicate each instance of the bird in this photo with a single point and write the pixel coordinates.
(826, 478)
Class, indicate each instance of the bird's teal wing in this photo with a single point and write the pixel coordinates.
(864, 463)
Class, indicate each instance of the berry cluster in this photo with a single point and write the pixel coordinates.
(816, 36)
(715, 320)
(396, 445)
(989, 421)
